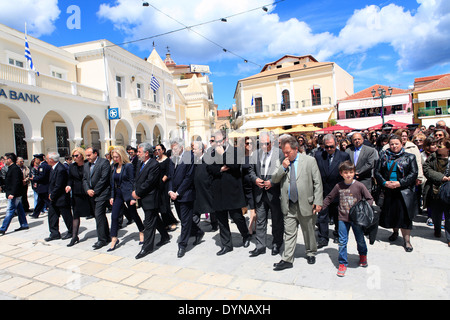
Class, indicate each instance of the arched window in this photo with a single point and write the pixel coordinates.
(286, 102)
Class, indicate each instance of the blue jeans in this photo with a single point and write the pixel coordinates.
(13, 205)
(344, 228)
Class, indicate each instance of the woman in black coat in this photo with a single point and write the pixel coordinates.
(396, 171)
(79, 198)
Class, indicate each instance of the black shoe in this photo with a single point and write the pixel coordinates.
(2, 232)
(181, 252)
(247, 241)
(99, 244)
(163, 241)
(223, 251)
(407, 248)
(52, 238)
(67, 236)
(33, 216)
(114, 247)
(322, 244)
(393, 236)
(198, 239)
(90, 217)
(22, 228)
(311, 259)
(282, 265)
(257, 252)
(73, 242)
(275, 249)
(142, 254)
(214, 228)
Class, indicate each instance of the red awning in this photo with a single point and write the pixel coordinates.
(337, 128)
(396, 125)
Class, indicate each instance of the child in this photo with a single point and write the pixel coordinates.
(349, 192)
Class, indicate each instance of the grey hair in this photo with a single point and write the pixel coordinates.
(328, 137)
(146, 147)
(291, 140)
(199, 145)
(54, 156)
(178, 141)
(267, 134)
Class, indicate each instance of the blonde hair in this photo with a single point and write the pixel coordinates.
(122, 154)
(80, 151)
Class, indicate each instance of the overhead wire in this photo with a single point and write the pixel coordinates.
(190, 28)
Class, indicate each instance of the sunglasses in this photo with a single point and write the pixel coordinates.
(76, 155)
(329, 147)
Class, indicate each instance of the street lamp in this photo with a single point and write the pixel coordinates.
(382, 96)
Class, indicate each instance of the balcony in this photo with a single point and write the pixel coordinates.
(22, 76)
(434, 111)
(291, 106)
(143, 106)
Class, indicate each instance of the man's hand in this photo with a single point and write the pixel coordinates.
(259, 182)
(91, 193)
(134, 195)
(286, 163)
(267, 184)
(173, 195)
(68, 188)
(317, 208)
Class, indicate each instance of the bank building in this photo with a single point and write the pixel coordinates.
(87, 94)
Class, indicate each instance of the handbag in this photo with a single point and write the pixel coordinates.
(380, 200)
(362, 214)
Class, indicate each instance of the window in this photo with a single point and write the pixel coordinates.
(58, 75)
(16, 63)
(139, 90)
(20, 144)
(315, 97)
(119, 81)
(258, 105)
(62, 142)
(155, 96)
(286, 103)
(430, 104)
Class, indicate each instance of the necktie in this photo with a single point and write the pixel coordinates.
(263, 165)
(91, 171)
(142, 167)
(330, 159)
(293, 193)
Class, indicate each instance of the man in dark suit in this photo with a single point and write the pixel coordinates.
(228, 192)
(363, 157)
(59, 199)
(96, 183)
(41, 181)
(13, 191)
(182, 193)
(267, 194)
(146, 189)
(328, 162)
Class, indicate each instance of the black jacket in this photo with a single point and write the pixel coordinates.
(57, 186)
(146, 184)
(13, 181)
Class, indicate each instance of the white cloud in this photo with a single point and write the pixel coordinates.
(421, 37)
(40, 15)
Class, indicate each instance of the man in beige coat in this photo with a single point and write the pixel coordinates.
(301, 199)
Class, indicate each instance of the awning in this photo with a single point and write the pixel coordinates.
(433, 96)
(304, 118)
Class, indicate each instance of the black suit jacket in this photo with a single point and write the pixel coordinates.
(57, 186)
(181, 178)
(13, 181)
(228, 192)
(146, 184)
(330, 174)
(100, 179)
(203, 188)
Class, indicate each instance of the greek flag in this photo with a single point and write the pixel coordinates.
(154, 84)
(28, 56)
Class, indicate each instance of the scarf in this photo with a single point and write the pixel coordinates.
(389, 156)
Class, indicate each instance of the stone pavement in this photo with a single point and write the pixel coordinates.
(31, 268)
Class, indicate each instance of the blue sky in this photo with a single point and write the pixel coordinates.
(378, 42)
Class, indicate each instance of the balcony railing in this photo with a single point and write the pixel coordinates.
(437, 111)
(143, 106)
(289, 106)
(22, 76)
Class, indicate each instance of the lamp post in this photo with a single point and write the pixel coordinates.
(382, 96)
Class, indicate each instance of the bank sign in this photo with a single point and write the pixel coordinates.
(17, 96)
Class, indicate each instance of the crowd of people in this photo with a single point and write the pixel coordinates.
(307, 181)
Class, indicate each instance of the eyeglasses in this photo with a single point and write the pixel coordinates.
(329, 147)
(439, 135)
(76, 155)
(264, 143)
(418, 140)
(248, 143)
(211, 141)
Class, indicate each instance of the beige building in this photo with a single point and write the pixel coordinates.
(197, 89)
(51, 111)
(294, 90)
